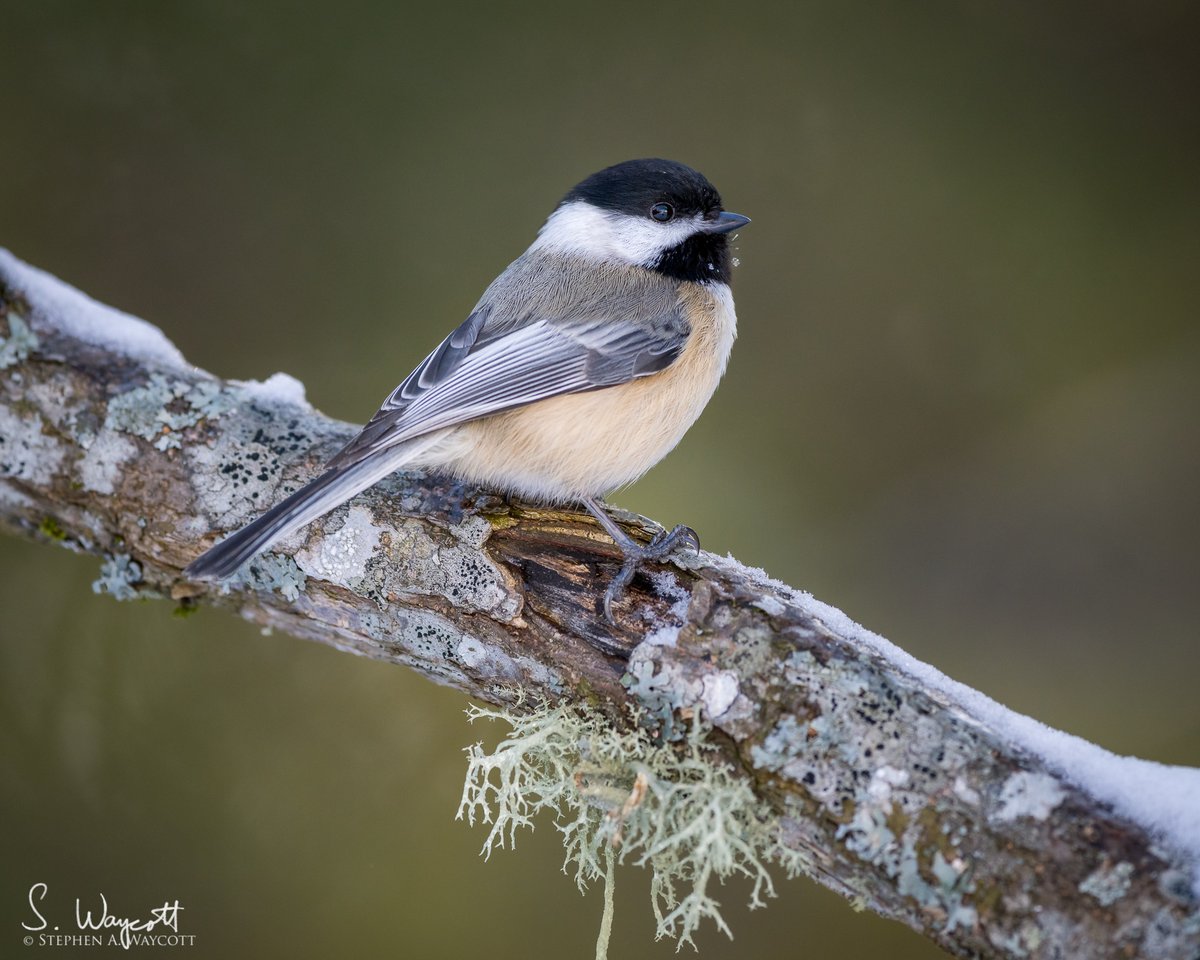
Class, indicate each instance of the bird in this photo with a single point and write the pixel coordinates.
(582, 365)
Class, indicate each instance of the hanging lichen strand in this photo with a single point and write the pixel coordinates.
(666, 806)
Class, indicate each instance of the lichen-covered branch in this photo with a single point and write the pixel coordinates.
(919, 799)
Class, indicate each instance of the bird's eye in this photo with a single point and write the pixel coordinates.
(662, 212)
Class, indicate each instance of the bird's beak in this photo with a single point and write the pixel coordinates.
(724, 222)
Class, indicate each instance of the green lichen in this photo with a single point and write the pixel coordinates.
(20, 342)
(586, 693)
(186, 608)
(673, 808)
(49, 527)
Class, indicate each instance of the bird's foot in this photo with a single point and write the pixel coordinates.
(661, 547)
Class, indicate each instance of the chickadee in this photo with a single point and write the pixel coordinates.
(583, 365)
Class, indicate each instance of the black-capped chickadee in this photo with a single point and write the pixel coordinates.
(583, 365)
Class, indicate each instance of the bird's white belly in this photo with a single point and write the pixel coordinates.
(585, 444)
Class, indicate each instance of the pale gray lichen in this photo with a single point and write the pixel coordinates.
(432, 637)
(27, 452)
(785, 740)
(446, 653)
(674, 809)
(139, 411)
(1108, 883)
(1020, 943)
(11, 498)
(868, 754)
(341, 555)
(120, 576)
(718, 691)
(164, 406)
(271, 571)
(418, 561)
(663, 686)
(471, 652)
(946, 894)
(473, 531)
(103, 457)
(20, 342)
(860, 724)
(1168, 934)
(869, 834)
(664, 630)
(965, 792)
(656, 692)
(241, 470)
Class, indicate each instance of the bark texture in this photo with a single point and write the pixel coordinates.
(897, 796)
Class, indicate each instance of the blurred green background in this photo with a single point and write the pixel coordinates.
(963, 406)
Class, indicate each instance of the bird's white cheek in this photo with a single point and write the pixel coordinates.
(642, 241)
(581, 229)
(577, 229)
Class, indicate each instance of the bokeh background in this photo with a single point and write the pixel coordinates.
(963, 406)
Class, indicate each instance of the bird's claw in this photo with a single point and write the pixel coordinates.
(665, 543)
(662, 546)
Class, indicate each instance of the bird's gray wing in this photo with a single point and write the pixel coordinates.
(488, 365)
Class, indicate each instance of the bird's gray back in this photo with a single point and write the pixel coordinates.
(576, 290)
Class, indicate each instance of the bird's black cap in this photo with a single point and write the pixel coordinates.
(636, 185)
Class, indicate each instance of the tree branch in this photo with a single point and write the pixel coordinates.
(920, 798)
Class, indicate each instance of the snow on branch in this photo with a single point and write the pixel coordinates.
(988, 832)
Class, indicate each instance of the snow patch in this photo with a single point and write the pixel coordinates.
(59, 306)
(1028, 794)
(279, 387)
(770, 606)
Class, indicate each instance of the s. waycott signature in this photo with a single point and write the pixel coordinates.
(97, 925)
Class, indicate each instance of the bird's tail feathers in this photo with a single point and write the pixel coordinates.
(331, 489)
